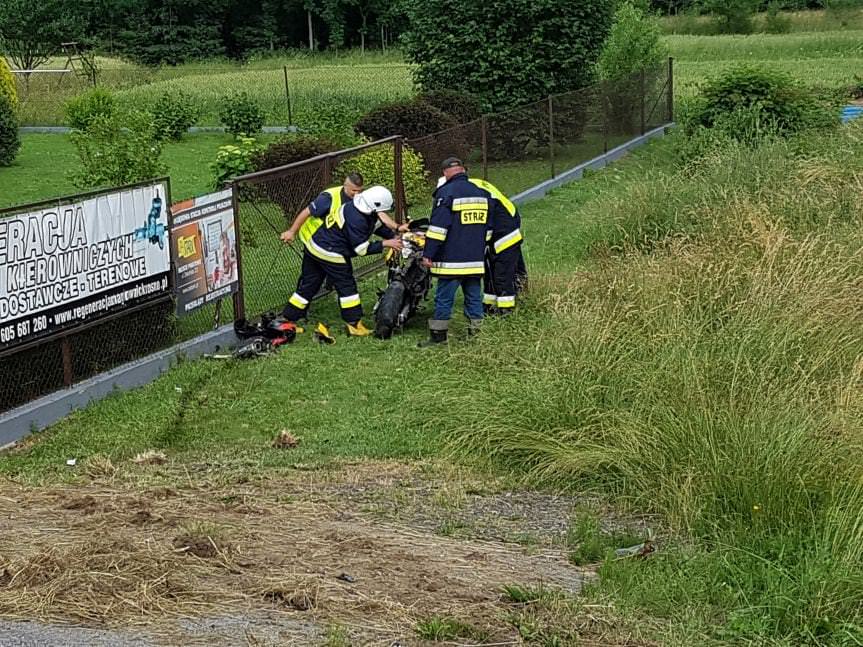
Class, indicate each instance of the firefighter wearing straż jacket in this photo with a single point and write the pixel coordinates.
(455, 247)
(505, 269)
(328, 253)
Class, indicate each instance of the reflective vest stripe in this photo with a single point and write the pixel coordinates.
(505, 242)
(298, 301)
(313, 223)
(477, 267)
(323, 254)
(474, 202)
(349, 301)
(496, 194)
(437, 233)
(362, 248)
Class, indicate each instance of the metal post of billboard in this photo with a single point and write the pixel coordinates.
(239, 296)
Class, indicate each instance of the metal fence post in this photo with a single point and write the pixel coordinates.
(68, 375)
(551, 134)
(670, 85)
(399, 180)
(288, 97)
(606, 117)
(239, 295)
(643, 79)
(484, 147)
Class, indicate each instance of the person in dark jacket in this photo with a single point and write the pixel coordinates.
(328, 253)
(455, 247)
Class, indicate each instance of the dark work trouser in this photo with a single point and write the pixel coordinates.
(502, 277)
(340, 275)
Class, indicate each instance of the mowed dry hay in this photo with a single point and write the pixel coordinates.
(127, 551)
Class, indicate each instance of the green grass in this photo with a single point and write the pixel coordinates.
(440, 629)
(520, 594)
(589, 543)
(798, 21)
(42, 169)
(348, 86)
(690, 348)
(707, 368)
(830, 59)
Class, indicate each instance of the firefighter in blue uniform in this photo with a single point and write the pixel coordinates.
(343, 235)
(330, 200)
(455, 247)
(505, 271)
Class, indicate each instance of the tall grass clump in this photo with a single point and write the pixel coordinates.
(706, 367)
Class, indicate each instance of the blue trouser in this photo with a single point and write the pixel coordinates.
(444, 298)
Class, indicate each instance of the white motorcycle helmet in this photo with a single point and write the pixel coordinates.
(374, 199)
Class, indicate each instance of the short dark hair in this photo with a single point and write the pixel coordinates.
(356, 178)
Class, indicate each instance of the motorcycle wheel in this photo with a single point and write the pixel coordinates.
(387, 313)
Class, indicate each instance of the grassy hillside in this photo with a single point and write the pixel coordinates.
(827, 59)
(794, 21)
(690, 349)
(341, 86)
(708, 368)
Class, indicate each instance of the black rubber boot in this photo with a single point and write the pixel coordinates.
(438, 330)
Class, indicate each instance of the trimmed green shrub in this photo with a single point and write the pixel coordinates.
(92, 105)
(293, 148)
(412, 119)
(173, 114)
(241, 114)
(762, 100)
(333, 121)
(509, 52)
(117, 149)
(290, 149)
(377, 166)
(10, 141)
(233, 160)
(461, 106)
(7, 83)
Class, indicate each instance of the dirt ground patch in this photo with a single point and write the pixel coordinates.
(292, 556)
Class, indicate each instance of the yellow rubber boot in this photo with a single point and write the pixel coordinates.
(358, 330)
(323, 334)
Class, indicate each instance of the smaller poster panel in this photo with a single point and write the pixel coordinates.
(204, 248)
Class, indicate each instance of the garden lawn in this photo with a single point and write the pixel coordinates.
(352, 399)
(689, 349)
(42, 169)
(827, 59)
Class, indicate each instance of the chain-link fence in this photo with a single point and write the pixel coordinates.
(515, 150)
(287, 96)
(267, 203)
(520, 148)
